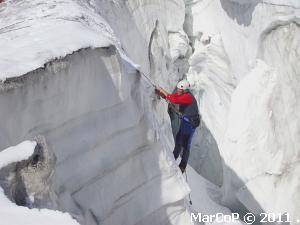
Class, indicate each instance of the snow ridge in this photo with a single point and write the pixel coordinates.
(35, 32)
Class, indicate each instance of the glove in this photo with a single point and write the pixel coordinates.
(163, 91)
(160, 91)
(157, 91)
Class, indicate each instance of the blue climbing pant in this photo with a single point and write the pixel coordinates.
(183, 141)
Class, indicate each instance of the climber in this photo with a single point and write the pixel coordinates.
(189, 119)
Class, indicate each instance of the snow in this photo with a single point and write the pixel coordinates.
(266, 138)
(148, 186)
(16, 153)
(178, 45)
(205, 195)
(208, 59)
(242, 63)
(206, 198)
(11, 214)
(35, 32)
(53, 102)
(246, 79)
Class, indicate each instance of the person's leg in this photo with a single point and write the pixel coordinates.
(178, 144)
(185, 153)
(186, 144)
(182, 166)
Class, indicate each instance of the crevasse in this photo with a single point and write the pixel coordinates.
(70, 82)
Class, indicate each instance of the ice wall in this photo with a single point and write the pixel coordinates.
(88, 110)
(13, 214)
(92, 108)
(244, 65)
(84, 96)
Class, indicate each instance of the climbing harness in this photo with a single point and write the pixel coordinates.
(190, 200)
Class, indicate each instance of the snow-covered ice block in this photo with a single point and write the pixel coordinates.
(18, 215)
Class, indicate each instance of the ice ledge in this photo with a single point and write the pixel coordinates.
(17, 215)
(42, 31)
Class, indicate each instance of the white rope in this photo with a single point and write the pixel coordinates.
(191, 203)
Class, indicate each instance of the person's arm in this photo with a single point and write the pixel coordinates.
(161, 92)
(185, 99)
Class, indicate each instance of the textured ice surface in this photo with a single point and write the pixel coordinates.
(92, 107)
(247, 78)
(35, 32)
(17, 215)
(92, 100)
(242, 63)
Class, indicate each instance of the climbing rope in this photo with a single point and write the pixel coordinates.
(186, 178)
(148, 79)
(171, 105)
(156, 87)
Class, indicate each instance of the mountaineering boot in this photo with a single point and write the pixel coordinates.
(182, 166)
(182, 169)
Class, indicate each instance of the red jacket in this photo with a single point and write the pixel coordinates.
(185, 99)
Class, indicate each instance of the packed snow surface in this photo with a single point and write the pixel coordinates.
(11, 214)
(16, 153)
(35, 32)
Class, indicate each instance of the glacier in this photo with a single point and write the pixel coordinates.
(83, 99)
(245, 69)
(71, 81)
(12, 214)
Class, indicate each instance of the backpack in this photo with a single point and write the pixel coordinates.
(195, 120)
